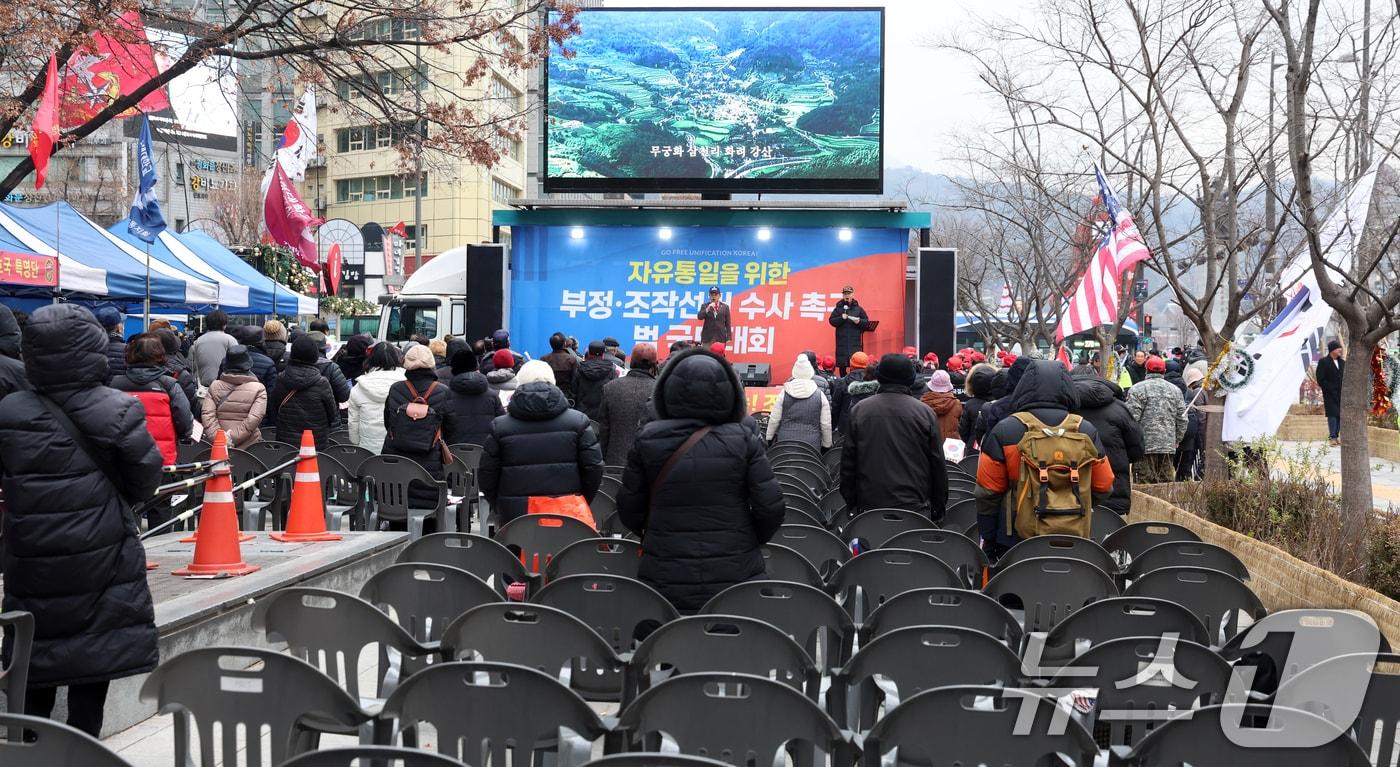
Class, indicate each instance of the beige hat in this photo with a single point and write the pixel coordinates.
(535, 371)
(418, 358)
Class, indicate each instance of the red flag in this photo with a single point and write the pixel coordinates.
(399, 229)
(331, 275)
(288, 220)
(108, 66)
(45, 125)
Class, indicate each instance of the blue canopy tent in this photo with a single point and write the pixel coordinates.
(94, 264)
(233, 295)
(260, 286)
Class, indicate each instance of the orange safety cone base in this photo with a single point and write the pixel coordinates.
(306, 517)
(152, 565)
(194, 536)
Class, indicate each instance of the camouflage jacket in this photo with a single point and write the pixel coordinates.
(1156, 404)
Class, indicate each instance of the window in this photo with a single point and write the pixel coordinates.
(505, 95)
(410, 240)
(179, 173)
(377, 188)
(179, 225)
(502, 191)
(407, 320)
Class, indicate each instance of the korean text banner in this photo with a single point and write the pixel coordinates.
(633, 284)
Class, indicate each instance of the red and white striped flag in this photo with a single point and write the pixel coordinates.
(1095, 301)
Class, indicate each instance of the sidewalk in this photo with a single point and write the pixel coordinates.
(1385, 475)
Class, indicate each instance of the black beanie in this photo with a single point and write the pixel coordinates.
(464, 362)
(305, 350)
(237, 359)
(896, 370)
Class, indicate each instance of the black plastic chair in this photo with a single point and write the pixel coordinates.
(611, 605)
(477, 554)
(814, 543)
(1138, 537)
(611, 485)
(866, 581)
(1139, 678)
(1187, 554)
(539, 637)
(942, 726)
(1375, 719)
(1116, 618)
(52, 744)
(879, 525)
(785, 447)
(831, 461)
(387, 479)
(650, 759)
(969, 463)
(330, 630)
(794, 514)
(701, 643)
(911, 660)
(351, 457)
(468, 454)
(813, 476)
(271, 452)
(783, 564)
(18, 627)
(515, 712)
(344, 495)
(831, 504)
(807, 504)
(1062, 546)
(808, 615)
(247, 690)
(959, 515)
(462, 492)
(944, 607)
(953, 548)
(261, 504)
(337, 437)
(1285, 643)
(538, 537)
(425, 598)
(1103, 523)
(1218, 599)
(191, 452)
(1198, 737)
(792, 486)
(731, 716)
(384, 756)
(603, 506)
(1049, 589)
(613, 556)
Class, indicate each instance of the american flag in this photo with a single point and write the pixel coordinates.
(1095, 301)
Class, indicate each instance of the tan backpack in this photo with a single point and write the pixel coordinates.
(1053, 489)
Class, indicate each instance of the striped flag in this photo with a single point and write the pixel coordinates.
(1004, 305)
(1095, 301)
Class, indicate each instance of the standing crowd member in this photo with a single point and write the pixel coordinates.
(237, 401)
(1137, 369)
(859, 384)
(168, 417)
(301, 399)
(1330, 369)
(563, 363)
(595, 372)
(208, 351)
(939, 396)
(698, 487)
(351, 357)
(263, 366)
(12, 378)
(625, 404)
(819, 378)
(851, 323)
(540, 447)
(473, 402)
(981, 388)
(332, 372)
(717, 327)
(893, 454)
(500, 342)
(1101, 403)
(418, 416)
(801, 413)
(178, 368)
(275, 342)
(111, 321)
(999, 408)
(1191, 445)
(501, 377)
(1159, 409)
(365, 418)
(74, 456)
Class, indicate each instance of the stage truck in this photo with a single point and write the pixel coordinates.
(434, 301)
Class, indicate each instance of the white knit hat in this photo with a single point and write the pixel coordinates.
(802, 368)
(535, 371)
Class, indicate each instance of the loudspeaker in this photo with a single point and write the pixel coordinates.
(754, 374)
(487, 285)
(937, 293)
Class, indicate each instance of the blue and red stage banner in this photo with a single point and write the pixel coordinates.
(647, 284)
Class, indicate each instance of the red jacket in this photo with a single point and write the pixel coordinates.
(168, 417)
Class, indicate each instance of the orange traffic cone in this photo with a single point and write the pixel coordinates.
(217, 453)
(306, 520)
(216, 549)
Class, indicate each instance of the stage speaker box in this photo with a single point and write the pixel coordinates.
(488, 283)
(751, 374)
(937, 296)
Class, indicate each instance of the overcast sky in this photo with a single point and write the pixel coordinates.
(930, 95)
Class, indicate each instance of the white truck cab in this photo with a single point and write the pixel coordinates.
(432, 303)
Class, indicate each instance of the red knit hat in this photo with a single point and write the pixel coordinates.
(828, 362)
(955, 363)
(503, 359)
(1156, 365)
(717, 348)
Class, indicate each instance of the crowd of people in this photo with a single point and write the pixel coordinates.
(89, 418)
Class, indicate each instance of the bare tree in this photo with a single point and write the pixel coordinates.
(238, 211)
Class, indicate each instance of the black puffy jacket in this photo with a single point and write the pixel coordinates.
(301, 399)
(981, 388)
(721, 501)
(12, 378)
(476, 406)
(994, 411)
(71, 555)
(1101, 403)
(589, 379)
(116, 354)
(178, 367)
(539, 447)
(440, 400)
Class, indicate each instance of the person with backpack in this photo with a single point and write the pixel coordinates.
(1160, 408)
(801, 413)
(418, 415)
(236, 402)
(366, 415)
(893, 454)
(1101, 404)
(74, 456)
(302, 399)
(1015, 500)
(168, 415)
(540, 448)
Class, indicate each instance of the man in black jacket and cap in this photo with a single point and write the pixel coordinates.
(851, 323)
(12, 378)
(1101, 404)
(893, 458)
(111, 321)
(1329, 379)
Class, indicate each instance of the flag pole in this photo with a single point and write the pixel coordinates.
(57, 237)
(146, 307)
